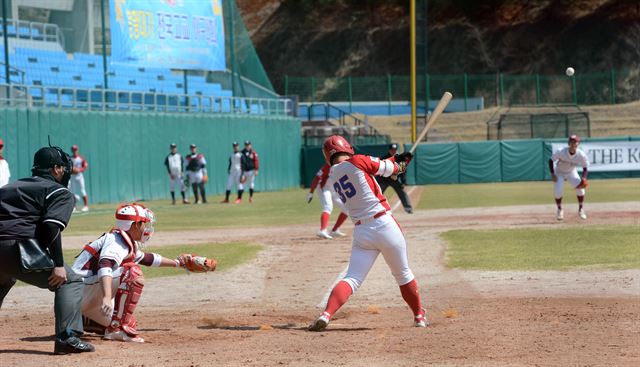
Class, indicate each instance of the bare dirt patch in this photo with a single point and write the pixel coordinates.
(256, 314)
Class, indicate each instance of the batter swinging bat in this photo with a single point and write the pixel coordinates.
(444, 101)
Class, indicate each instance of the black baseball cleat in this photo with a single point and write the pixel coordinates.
(72, 345)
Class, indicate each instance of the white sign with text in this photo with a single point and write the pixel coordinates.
(609, 156)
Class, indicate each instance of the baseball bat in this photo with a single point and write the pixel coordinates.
(444, 101)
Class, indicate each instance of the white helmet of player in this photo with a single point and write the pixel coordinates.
(127, 214)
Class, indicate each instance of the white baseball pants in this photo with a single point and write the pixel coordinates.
(574, 180)
(372, 237)
(176, 181)
(233, 180)
(92, 301)
(76, 185)
(251, 177)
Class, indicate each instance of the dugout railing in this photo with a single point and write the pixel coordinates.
(17, 95)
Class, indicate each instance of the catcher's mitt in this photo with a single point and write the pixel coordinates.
(243, 179)
(583, 184)
(196, 264)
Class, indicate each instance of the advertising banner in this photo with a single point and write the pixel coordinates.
(176, 34)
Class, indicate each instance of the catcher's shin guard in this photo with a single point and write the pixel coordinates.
(127, 297)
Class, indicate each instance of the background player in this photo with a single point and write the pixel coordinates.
(76, 184)
(175, 168)
(5, 173)
(113, 279)
(197, 173)
(250, 166)
(376, 230)
(398, 184)
(568, 160)
(234, 172)
(326, 201)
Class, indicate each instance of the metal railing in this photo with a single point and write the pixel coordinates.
(330, 112)
(16, 95)
(33, 31)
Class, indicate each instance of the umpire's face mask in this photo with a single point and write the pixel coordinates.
(67, 164)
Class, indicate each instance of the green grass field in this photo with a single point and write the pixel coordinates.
(523, 193)
(611, 247)
(270, 208)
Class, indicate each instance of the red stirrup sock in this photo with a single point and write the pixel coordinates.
(339, 296)
(411, 295)
(324, 220)
(580, 201)
(341, 218)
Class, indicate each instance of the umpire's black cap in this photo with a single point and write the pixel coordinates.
(48, 157)
(393, 146)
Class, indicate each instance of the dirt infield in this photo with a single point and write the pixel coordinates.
(256, 314)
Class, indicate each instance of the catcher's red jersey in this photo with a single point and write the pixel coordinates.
(353, 183)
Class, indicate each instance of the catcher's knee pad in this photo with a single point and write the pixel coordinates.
(127, 297)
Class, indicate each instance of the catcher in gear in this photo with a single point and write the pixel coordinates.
(110, 268)
(566, 169)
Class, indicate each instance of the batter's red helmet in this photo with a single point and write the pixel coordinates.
(335, 144)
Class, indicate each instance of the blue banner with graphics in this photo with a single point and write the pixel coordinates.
(177, 34)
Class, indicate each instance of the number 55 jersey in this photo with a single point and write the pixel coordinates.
(352, 183)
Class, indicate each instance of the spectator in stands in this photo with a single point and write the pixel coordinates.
(76, 184)
(197, 173)
(398, 185)
(175, 169)
(5, 174)
(250, 167)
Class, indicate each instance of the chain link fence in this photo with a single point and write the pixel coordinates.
(609, 87)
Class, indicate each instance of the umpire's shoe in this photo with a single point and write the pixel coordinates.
(72, 345)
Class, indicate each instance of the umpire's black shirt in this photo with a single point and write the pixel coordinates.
(28, 202)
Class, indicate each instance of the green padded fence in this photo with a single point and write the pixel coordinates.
(492, 161)
(126, 151)
(608, 87)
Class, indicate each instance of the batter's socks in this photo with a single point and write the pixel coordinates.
(240, 194)
(580, 201)
(85, 199)
(411, 295)
(250, 193)
(173, 196)
(341, 218)
(226, 195)
(324, 220)
(559, 203)
(339, 296)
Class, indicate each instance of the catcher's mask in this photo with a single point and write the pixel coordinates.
(127, 214)
(49, 157)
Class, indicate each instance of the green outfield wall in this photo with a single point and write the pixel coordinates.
(126, 150)
(471, 162)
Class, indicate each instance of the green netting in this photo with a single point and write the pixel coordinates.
(614, 86)
(245, 76)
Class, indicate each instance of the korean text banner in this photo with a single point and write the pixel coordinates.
(609, 156)
(177, 34)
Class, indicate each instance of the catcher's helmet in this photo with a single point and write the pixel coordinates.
(335, 144)
(127, 214)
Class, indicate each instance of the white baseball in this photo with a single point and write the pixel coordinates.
(570, 71)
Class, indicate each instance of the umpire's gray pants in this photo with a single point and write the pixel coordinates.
(67, 298)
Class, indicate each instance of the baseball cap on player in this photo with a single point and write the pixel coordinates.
(235, 143)
(74, 148)
(192, 146)
(172, 145)
(575, 138)
(335, 144)
(247, 142)
(393, 146)
(1, 143)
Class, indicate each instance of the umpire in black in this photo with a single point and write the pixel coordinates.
(39, 208)
(398, 185)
